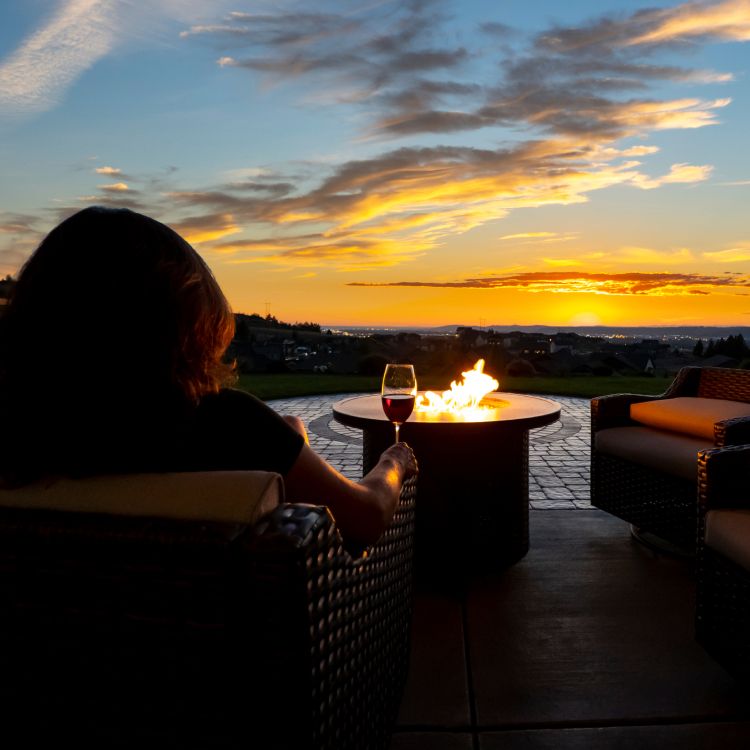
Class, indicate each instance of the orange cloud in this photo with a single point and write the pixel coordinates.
(678, 173)
(738, 254)
(677, 114)
(403, 203)
(201, 229)
(340, 255)
(728, 20)
(576, 282)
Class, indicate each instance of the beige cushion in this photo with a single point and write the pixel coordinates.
(664, 451)
(728, 532)
(690, 416)
(233, 496)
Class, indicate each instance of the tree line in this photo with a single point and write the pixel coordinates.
(6, 285)
(244, 324)
(731, 346)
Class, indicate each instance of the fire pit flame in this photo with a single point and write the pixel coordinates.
(462, 398)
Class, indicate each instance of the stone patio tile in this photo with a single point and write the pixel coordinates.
(551, 505)
(558, 463)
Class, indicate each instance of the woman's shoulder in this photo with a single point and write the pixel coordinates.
(246, 432)
(231, 406)
(231, 398)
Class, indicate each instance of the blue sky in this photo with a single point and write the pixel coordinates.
(399, 162)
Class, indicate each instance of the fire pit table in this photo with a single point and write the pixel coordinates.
(473, 496)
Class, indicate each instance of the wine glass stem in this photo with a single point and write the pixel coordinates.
(397, 425)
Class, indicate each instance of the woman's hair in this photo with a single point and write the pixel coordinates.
(114, 315)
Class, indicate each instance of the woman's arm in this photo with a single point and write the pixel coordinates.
(363, 509)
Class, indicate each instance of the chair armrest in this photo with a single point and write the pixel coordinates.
(734, 431)
(722, 479)
(332, 621)
(299, 523)
(614, 410)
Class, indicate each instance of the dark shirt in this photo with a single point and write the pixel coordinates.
(233, 430)
(131, 432)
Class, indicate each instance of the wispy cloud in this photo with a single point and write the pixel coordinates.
(36, 75)
(73, 36)
(647, 256)
(362, 53)
(404, 202)
(575, 92)
(528, 235)
(113, 172)
(18, 224)
(678, 173)
(540, 238)
(687, 22)
(724, 20)
(574, 282)
(738, 254)
(567, 81)
(632, 256)
(115, 187)
(108, 170)
(23, 234)
(199, 229)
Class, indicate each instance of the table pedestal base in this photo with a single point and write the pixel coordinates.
(472, 513)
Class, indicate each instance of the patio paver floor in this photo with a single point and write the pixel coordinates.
(558, 453)
(587, 642)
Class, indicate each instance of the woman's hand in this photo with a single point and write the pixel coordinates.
(402, 455)
(363, 510)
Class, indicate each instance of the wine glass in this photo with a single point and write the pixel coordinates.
(398, 393)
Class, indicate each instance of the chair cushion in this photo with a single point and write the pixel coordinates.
(688, 415)
(664, 451)
(231, 496)
(728, 532)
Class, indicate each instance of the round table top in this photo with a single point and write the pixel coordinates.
(503, 409)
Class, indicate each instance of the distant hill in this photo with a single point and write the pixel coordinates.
(652, 332)
(637, 332)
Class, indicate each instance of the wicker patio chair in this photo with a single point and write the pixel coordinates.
(649, 493)
(137, 631)
(722, 624)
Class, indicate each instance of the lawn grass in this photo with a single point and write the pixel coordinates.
(288, 385)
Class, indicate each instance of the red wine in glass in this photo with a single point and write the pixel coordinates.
(398, 393)
(398, 408)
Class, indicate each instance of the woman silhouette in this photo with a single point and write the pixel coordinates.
(111, 361)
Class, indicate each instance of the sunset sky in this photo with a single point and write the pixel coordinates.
(391, 163)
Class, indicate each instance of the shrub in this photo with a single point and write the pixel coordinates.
(372, 364)
(520, 368)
